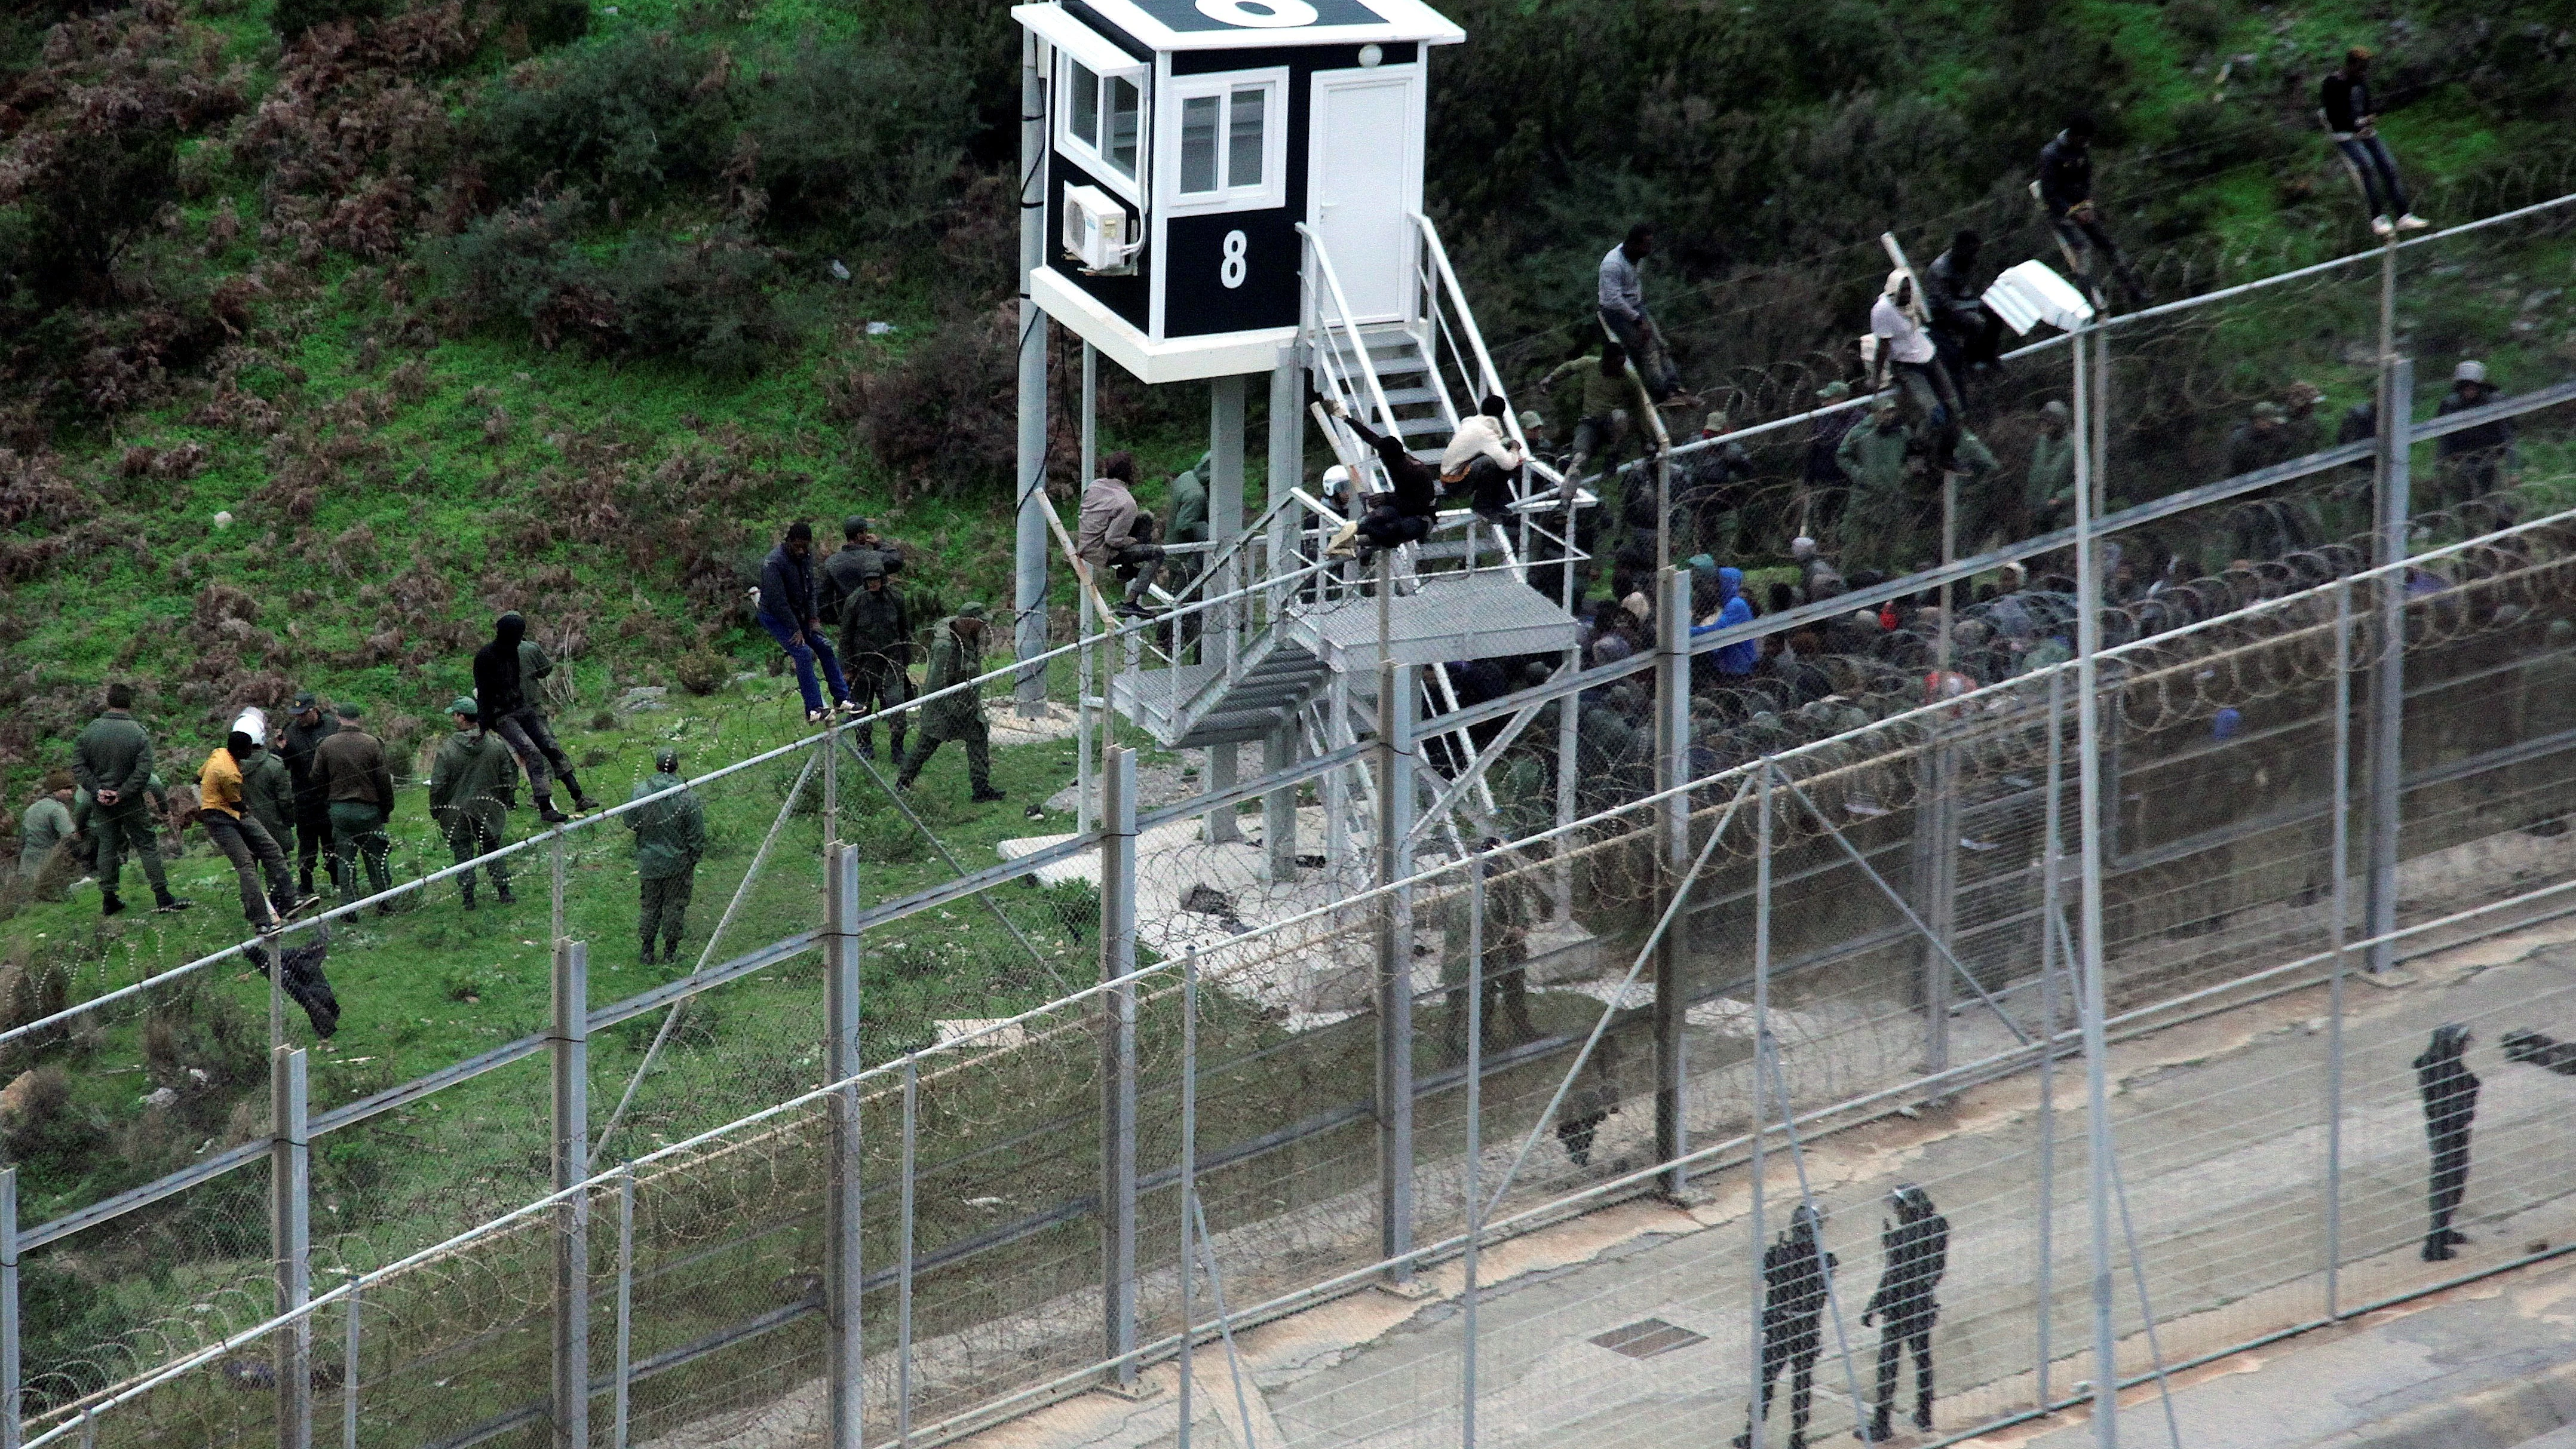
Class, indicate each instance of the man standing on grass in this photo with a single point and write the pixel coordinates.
(112, 760)
(361, 791)
(303, 734)
(469, 791)
(876, 650)
(670, 840)
(956, 656)
(842, 572)
(268, 788)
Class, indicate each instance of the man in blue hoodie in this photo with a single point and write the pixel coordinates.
(1737, 659)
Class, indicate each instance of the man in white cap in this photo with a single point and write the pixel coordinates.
(1908, 360)
(268, 787)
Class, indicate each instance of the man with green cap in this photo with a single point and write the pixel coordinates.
(306, 728)
(1873, 455)
(1189, 502)
(112, 761)
(361, 791)
(2261, 440)
(876, 650)
(470, 784)
(956, 655)
(2048, 494)
(670, 839)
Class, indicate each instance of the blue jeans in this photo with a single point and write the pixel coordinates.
(2369, 156)
(794, 642)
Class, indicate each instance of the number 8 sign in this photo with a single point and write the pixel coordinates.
(1236, 245)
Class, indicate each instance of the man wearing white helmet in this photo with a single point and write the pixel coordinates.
(268, 787)
(239, 835)
(2475, 461)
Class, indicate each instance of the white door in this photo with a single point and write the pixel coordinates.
(1365, 176)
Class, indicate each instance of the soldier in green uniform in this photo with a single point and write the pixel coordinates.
(47, 823)
(268, 787)
(876, 647)
(360, 787)
(470, 784)
(670, 839)
(112, 761)
(1512, 906)
(956, 655)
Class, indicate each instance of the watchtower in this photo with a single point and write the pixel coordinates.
(1187, 140)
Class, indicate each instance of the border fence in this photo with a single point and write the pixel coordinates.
(2299, 772)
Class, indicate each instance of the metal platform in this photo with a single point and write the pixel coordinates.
(1475, 616)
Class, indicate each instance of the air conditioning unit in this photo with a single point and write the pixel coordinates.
(1095, 230)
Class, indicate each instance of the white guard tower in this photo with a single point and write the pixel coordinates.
(1222, 188)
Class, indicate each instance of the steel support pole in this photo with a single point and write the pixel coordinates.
(1189, 1177)
(1569, 711)
(349, 1369)
(621, 1385)
(10, 1370)
(290, 1178)
(2052, 850)
(1475, 1144)
(1118, 1066)
(844, 1269)
(1029, 632)
(1396, 686)
(1936, 861)
(1287, 460)
(2088, 757)
(904, 1251)
(1753, 1415)
(1225, 520)
(2388, 659)
(1279, 807)
(568, 1041)
(1672, 767)
(2337, 927)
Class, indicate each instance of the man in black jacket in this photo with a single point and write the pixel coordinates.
(791, 610)
(2066, 194)
(1404, 515)
(841, 572)
(2354, 124)
(502, 696)
(1916, 1249)
(305, 731)
(1795, 1289)
(2450, 1092)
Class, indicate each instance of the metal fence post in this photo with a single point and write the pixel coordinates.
(625, 1368)
(2051, 909)
(2089, 962)
(1395, 714)
(2337, 926)
(1189, 1177)
(842, 1259)
(2388, 664)
(1029, 551)
(1118, 1065)
(1279, 807)
(349, 1369)
(1753, 1415)
(904, 1252)
(1936, 862)
(1672, 768)
(290, 1234)
(9, 1370)
(569, 1041)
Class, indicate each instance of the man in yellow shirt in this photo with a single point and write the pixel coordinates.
(239, 835)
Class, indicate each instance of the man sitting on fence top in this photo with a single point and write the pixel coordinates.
(2354, 124)
(1114, 533)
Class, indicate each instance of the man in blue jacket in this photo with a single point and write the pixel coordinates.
(793, 615)
(1737, 659)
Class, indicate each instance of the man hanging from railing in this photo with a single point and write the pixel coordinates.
(1483, 461)
(1399, 517)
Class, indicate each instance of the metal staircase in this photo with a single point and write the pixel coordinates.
(1252, 643)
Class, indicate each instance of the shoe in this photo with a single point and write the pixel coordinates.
(1876, 1433)
(109, 905)
(305, 900)
(503, 894)
(817, 716)
(469, 903)
(384, 908)
(583, 803)
(2411, 222)
(2437, 1249)
(172, 905)
(549, 814)
(646, 959)
(1343, 543)
(2382, 226)
(1923, 1420)
(987, 797)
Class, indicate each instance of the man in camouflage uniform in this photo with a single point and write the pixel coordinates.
(112, 761)
(956, 655)
(670, 839)
(876, 648)
(470, 784)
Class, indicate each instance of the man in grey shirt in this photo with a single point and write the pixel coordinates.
(1623, 312)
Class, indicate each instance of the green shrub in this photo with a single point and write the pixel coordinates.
(862, 137)
(633, 119)
(544, 22)
(292, 18)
